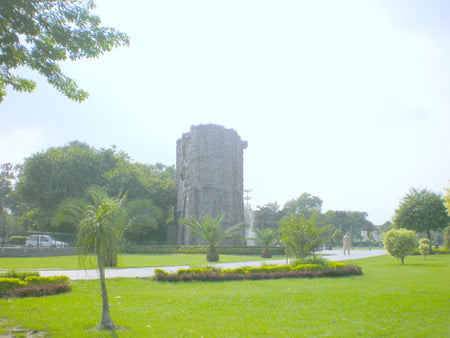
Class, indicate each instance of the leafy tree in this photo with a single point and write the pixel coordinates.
(147, 218)
(305, 204)
(300, 236)
(7, 176)
(337, 237)
(267, 216)
(447, 239)
(48, 178)
(39, 34)
(421, 211)
(424, 247)
(400, 242)
(266, 237)
(447, 200)
(352, 222)
(102, 224)
(209, 230)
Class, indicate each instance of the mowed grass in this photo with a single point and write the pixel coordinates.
(389, 300)
(124, 261)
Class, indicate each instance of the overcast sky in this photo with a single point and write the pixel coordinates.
(346, 100)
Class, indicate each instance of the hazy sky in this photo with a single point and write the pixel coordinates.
(345, 100)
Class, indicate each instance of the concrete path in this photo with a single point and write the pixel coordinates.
(332, 255)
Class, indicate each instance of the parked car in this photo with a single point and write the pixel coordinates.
(44, 241)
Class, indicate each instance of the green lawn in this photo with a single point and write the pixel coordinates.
(125, 261)
(389, 300)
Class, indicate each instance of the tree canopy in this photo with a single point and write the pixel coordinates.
(40, 34)
(421, 211)
(60, 175)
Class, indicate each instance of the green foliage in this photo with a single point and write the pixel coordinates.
(266, 237)
(305, 205)
(447, 200)
(267, 216)
(18, 274)
(41, 34)
(8, 284)
(256, 273)
(447, 239)
(101, 229)
(30, 284)
(300, 236)
(209, 230)
(54, 182)
(421, 211)
(400, 243)
(38, 280)
(352, 222)
(424, 247)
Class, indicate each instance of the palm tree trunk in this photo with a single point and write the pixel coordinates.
(106, 322)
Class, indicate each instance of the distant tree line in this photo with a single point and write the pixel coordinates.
(307, 208)
(33, 194)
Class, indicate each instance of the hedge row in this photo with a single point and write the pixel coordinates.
(197, 249)
(30, 284)
(257, 273)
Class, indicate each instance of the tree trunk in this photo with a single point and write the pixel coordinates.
(212, 255)
(431, 243)
(266, 253)
(106, 322)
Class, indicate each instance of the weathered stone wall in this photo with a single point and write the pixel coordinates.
(209, 177)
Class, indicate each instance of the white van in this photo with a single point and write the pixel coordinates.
(44, 241)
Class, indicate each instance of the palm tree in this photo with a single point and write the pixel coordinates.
(266, 237)
(209, 230)
(101, 228)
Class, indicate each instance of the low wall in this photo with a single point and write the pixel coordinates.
(23, 251)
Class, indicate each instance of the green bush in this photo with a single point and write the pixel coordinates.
(307, 267)
(37, 281)
(333, 269)
(311, 260)
(18, 274)
(8, 284)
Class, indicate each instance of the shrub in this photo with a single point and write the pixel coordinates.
(8, 284)
(307, 267)
(39, 291)
(256, 273)
(38, 281)
(311, 260)
(424, 247)
(400, 242)
(20, 275)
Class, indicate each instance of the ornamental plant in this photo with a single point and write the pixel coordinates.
(424, 247)
(400, 243)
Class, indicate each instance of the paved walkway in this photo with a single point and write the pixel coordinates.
(332, 255)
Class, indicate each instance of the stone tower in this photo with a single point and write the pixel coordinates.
(209, 177)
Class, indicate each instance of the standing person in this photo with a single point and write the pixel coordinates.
(347, 243)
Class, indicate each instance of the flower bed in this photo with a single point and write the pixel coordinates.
(30, 284)
(265, 272)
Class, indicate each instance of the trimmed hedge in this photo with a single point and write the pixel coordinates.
(30, 284)
(8, 284)
(20, 275)
(198, 249)
(257, 273)
(39, 291)
(38, 281)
